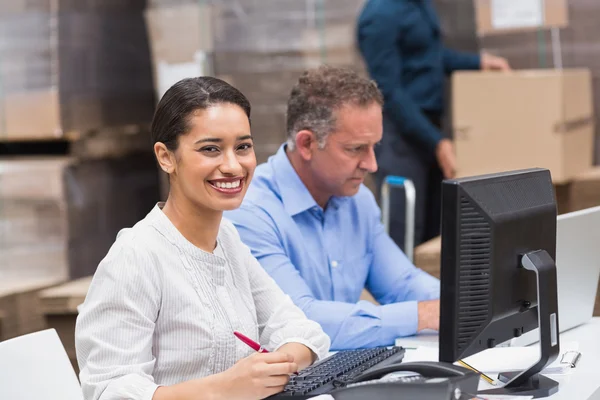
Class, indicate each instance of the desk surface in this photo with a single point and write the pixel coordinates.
(579, 384)
(585, 379)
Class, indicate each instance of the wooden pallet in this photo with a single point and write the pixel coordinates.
(20, 310)
(103, 143)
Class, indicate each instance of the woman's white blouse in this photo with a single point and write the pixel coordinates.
(161, 311)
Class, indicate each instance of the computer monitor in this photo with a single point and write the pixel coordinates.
(498, 276)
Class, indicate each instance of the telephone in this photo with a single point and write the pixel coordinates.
(434, 381)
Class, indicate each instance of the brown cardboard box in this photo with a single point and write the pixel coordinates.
(552, 13)
(523, 119)
(20, 307)
(177, 33)
(585, 190)
(59, 215)
(19, 107)
(428, 256)
(181, 41)
(580, 193)
(70, 66)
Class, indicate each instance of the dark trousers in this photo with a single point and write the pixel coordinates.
(401, 157)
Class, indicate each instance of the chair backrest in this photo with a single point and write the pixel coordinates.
(36, 366)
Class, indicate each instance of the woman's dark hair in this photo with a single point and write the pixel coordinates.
(172, 115)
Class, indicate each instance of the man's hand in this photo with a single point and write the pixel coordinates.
(444, 153)
(493, 63)
(429, 315)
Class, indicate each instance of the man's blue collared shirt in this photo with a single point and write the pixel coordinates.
(324, 258)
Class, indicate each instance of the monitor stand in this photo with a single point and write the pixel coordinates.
(529, 382)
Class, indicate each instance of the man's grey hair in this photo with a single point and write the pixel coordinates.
(319, 93)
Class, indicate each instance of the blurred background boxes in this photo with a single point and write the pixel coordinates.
(74, 65)
(259, 46)
(523, 119)
(181, 41)
(20, 310)
(60, 215)
(427, 256)
(502, 16)
(263, 46)
(580, 193)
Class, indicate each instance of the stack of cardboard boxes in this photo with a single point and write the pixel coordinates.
(72, 65)
(524, 119)
(59, 215)
(264, 47)
(69, 70)
(58, 218)
(260, 47)
(533, 116)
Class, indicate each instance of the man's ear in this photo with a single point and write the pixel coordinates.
(306, 144)
(166, 158)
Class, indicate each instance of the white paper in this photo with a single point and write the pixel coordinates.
(502, 359)
(423, 353)
(507, 14)
(425, 338)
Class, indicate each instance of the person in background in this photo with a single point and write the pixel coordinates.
(401, 43)
(316, 229)
(159, 317)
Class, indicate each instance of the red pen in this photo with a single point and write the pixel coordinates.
(255, 346)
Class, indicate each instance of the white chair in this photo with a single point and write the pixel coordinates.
(36, 366)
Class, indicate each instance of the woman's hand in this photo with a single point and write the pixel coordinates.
(257, 376)
(303, 356)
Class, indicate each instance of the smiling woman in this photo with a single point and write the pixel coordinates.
(159, 317)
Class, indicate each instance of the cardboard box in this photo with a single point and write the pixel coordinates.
(181, 41)
(20, 306)
(177, 33)
(581, 193)
(585, 190)
(59, 215)
(71, 67)
(18, 108)
(503, 16)
(427, 256)
(523, 119)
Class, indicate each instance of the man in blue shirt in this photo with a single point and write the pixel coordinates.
(401, 44)
(316, 228)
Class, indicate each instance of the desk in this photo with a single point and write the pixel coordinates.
(581, 383)
(585, 379)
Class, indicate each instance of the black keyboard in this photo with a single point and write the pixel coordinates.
(336, 371)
